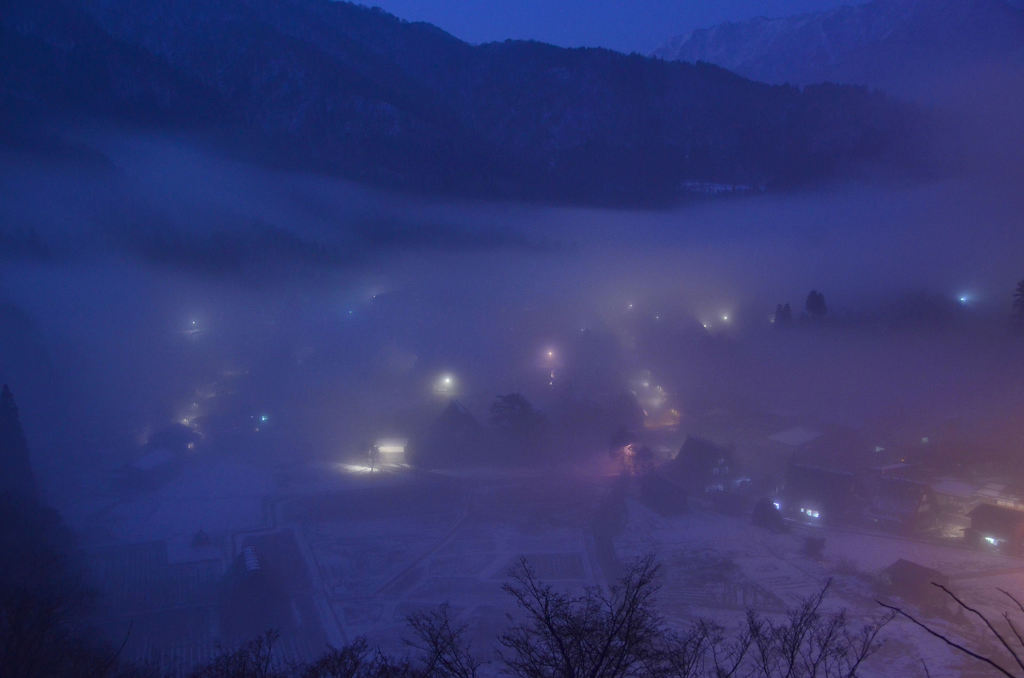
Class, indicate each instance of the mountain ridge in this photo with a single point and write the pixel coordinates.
(356, 92)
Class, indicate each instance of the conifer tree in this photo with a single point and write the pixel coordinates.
(16, 475)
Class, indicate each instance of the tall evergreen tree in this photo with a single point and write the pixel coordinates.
(1018, 301)
(43, 594)
(515, 418)
(815, 305)
(783, 315)
(16, 475)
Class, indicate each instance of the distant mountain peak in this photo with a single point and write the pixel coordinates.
(883, 43)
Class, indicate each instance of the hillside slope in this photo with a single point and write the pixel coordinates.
(341, 88)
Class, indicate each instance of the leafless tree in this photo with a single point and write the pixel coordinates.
(442, 646)
(811, 643)
(619, 635)
(613, 633)
(597, 634)
(356, 660)
(702, 650)
(253, 659)
(442, 650)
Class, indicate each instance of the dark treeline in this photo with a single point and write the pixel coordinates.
(616, 633)
(44, 595)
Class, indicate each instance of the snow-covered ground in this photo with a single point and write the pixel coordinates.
(717, 566)
(380, 546)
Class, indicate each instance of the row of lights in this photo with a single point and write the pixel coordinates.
(447, 385)
(724, 317)
(964, 300)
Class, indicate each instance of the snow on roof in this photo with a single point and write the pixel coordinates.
(796, 436)
(889, 468)
(954, 488)
(993, 491)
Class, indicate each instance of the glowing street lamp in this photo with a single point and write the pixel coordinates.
(548, 362)
(445, 385)
(193, 328)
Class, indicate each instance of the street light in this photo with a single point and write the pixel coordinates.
(445, 385)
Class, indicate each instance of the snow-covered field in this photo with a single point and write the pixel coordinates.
(717, 566)
(379, 546)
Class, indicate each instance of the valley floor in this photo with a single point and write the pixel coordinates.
(355, 553)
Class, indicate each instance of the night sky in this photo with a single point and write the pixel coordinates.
(634, 25)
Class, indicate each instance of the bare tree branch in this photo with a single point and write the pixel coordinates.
(946, 639)
(987, 623)
(1009, 595)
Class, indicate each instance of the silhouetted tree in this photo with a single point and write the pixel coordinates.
(42, 592)
(518, 424)
(619, 634)
(815, 304)
(701, 464)
(356, 660)
(15, 466)
(808, 642)
(455, 437)
(444, 651)
(598, 633)
(253, 659)
(783, 315)
(513, 413)
(1018, 301)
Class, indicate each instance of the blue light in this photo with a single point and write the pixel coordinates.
(264, 418)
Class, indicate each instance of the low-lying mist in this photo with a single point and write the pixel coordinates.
(165, 285)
